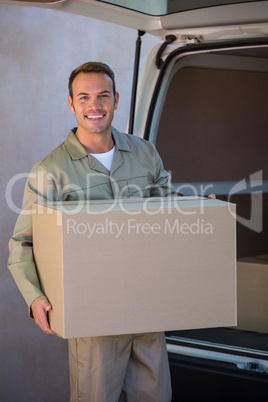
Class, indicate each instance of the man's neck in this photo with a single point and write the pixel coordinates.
(96, 143)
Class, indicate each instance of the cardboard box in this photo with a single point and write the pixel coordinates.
(137, 265)
(252, 295)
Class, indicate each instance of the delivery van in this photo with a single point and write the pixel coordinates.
(202, 99)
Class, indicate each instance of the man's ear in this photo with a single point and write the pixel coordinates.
(116, 100)
(70, 101)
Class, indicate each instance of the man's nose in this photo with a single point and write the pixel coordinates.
(94, 103)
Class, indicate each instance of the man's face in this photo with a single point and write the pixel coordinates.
(93, 102)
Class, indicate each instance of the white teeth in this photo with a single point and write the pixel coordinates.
(95, 117)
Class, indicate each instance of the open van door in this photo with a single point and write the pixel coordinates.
(209, 19)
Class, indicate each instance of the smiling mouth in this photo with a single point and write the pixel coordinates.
(100, 116)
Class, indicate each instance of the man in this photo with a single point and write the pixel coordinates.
(96, 162)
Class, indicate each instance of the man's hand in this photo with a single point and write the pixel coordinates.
(212, 196)
(40, 308)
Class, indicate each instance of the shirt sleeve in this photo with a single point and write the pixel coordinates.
(39, 188)
(162, 186)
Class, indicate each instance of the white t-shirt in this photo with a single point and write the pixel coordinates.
(106, 158)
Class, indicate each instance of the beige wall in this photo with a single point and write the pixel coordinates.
(38, 49)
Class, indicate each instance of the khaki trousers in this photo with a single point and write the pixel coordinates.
(124, 368)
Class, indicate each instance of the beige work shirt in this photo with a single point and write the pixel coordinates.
(68, 173)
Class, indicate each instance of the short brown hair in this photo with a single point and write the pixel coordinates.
(91, 67)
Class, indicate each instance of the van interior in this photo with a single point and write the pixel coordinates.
(213, 135)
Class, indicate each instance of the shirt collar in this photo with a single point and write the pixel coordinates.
(120, 139)
(77, 151)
